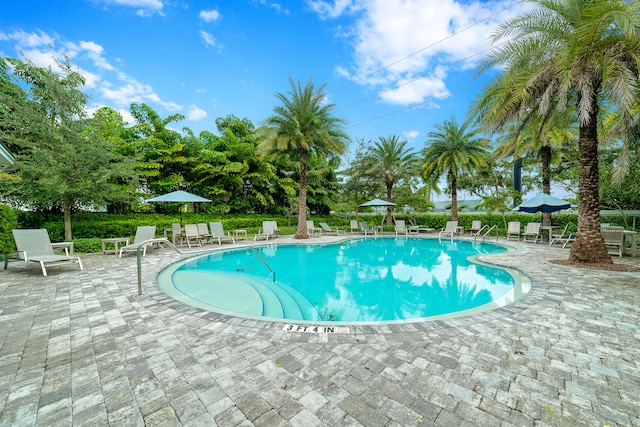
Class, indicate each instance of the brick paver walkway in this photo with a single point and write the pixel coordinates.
(82, 349)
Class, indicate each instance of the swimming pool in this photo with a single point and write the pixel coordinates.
(357, 280)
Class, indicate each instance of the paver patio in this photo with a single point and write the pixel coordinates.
(81, 348)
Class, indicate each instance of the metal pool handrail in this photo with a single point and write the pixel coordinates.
(487, 233)
(197, 251)
(264, 262)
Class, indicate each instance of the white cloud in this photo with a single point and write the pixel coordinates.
(88, 59)
(387, 54)
(272, 5)
(416, 90)
(95, 51)
(25, 40)
(328, 9)
(131, 91)
(208, 38)
(196, 113)
(412, 134)
(144, 7)
(210, 15)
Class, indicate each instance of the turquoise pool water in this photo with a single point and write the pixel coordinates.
(356, 280)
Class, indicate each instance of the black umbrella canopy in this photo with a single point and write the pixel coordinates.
(179, 196)
(543, 203)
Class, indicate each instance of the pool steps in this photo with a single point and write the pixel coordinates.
(248, 294)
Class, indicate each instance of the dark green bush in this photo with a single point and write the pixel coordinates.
(7, 223)
(89, 228)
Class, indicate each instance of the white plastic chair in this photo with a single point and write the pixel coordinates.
(143, 233)
(401, 227)
(450, 228)
(513, 230)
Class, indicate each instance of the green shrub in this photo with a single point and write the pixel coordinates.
(7, 223)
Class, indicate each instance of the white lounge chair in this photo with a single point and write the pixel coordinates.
(513, 230)
(191, 235)
(312, 230)
(364, 227)
(34, 245)
(274, 227)
(267, 231)
(476, 226)
(416, 229)
(217, 232)
(531, 232)
(329, 230)
(401, 227)
(355, 228)
(203, 232)
(143, 233)
(561, 237)
(450, 228)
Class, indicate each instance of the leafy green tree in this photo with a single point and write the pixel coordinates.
(394, 162)
(625, 194)
(360, 181)
(230, 172)
(540, 141)
(58, 164)
(8, 222)
(563, 52)
(452, 150)
(108, 126)
(322, 183)
(165, 158)
(302, 124)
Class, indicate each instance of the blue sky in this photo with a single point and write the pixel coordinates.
(392, 67)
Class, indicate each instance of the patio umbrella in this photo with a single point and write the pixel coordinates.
(543, 203)
(377, 203)
(177, 197)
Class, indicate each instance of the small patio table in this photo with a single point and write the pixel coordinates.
(67, 246)
(240, 234)
(549, 229)
(115, 241)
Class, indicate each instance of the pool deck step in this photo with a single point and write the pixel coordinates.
(245, 293)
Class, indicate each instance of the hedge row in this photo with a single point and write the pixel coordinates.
(89, 228)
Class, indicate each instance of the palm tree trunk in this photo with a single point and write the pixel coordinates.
(589, 246)
(302, 233)
(389, 190)
(66, 209)
(454, 199)
(545, 155)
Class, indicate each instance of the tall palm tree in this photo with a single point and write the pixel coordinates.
(302, 124)
(451, 150)
(394, 162)
(569, 52)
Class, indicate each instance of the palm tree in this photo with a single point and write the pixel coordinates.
(450, 150)
(541, 140)
(563, 52)
(394, 162)
(302, 124)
